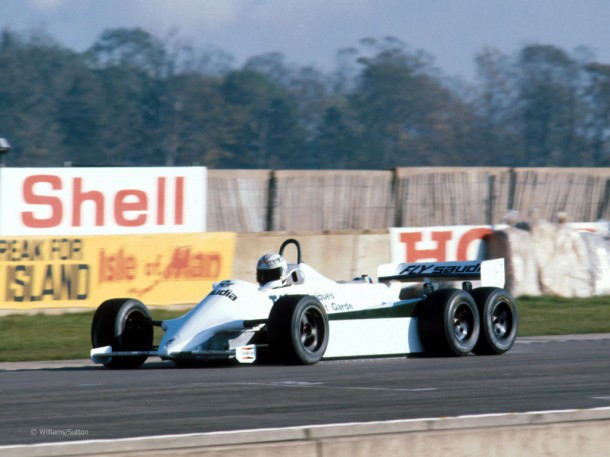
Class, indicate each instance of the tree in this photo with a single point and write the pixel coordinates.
(336, 142)
(266, 131)
(496, 107)
(402, 109)
(136, 99)
(37, 74)
(78, 117)
(142, 67)
(548, 94)
(597, 125)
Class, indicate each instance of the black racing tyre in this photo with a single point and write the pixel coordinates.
(124, 324)
(298, 330)
(499, 320)
(448, 323)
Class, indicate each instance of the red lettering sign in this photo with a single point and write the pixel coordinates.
(414, 254)
(130, 207)
(476, 234)
(188, 264)
(122, 206)
(451, 244)
(28, 217)
(116, 266)
(79, 197)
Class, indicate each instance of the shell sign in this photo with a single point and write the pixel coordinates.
(102, 201)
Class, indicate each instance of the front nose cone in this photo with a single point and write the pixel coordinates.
(167, 346)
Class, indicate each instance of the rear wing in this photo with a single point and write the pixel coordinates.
(490, 272)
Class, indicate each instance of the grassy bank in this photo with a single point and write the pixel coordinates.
(67, 336)
(53, 337)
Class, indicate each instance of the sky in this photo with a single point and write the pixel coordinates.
(310, 32)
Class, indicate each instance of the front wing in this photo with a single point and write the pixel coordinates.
(243, 354)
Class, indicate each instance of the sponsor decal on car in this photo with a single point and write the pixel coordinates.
(325, 296)
(224, 293)
(440, 270)
(342, 306)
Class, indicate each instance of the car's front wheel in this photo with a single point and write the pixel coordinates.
(298, 330)
(124, 324)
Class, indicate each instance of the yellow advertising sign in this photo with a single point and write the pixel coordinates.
(60, 272)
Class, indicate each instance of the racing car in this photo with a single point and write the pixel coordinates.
(295, 315)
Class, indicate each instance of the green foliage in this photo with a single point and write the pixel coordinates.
(134, 99)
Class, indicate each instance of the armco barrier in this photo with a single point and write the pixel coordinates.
(540, 434)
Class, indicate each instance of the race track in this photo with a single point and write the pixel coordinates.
(52, 402)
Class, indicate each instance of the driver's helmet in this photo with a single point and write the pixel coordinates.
(271, 267)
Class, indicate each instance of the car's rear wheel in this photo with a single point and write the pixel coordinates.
(298, 330)
(124, 324)
(448, 323)
(499, 320)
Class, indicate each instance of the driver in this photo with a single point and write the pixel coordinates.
(271, 269)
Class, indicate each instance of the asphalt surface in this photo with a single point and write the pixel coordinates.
(61, 401)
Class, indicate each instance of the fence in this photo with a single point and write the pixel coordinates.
(328, 200)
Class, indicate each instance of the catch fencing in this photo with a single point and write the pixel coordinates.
(333, 200)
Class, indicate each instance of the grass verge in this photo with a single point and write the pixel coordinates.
(54, 336)
(67, 336)
(563, 316)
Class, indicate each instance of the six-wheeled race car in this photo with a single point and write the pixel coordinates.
(295, 315)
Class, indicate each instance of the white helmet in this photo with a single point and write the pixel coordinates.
(271, 267)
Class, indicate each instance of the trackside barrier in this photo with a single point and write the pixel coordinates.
(267, 200)
(553, 259)
(337, 255)
(82, 271)
(79, 272)
(540, 434)
(566, 260)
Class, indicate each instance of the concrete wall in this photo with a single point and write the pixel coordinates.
(549, 259)
(548, 434)
(348, 254)
(338, 255)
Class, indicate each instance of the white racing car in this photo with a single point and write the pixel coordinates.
(295, 315)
